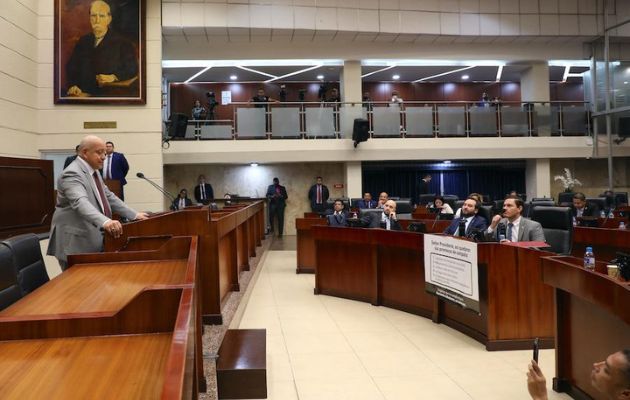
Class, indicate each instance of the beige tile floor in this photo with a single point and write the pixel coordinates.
(327, 348)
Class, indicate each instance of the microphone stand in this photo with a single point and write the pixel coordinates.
(155, 185)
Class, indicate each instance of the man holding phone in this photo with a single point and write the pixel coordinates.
(518, 228)
(610, 377)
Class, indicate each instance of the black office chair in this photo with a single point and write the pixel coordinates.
(497, 207)
(600, 202)
(565, 198)
(354, 201)
(28, 261)
(425, 199)
(538, 202)
(404, 206)
(458, 204)
(486, 212)
(451, 199)
(9, 289)
(557, 225)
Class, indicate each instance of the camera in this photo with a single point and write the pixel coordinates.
(211, 95)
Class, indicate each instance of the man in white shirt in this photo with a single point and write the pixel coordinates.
(518, 228)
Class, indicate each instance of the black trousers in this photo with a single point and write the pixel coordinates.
(276, 211)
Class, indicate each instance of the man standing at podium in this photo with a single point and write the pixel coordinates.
(115, 167)
(85, 206)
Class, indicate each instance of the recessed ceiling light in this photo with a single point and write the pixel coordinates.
(625, 83)
(233, 77)
(320, 77)
(254, 164)
(396, 77)
(446, 161)
(465, 77)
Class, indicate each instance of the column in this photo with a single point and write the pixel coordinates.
(353, 179)
(538, 178)
(535, 88)
(350, 82)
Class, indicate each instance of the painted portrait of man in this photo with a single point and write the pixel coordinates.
(99, 51)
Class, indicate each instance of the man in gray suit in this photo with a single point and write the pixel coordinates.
(85, 205)
(518, 229)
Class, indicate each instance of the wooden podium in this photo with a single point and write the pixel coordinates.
(592, 321)
(227, 238)
(387, 268)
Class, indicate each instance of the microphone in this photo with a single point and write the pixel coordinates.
(501, 231)
(462, 228)
(158, 187)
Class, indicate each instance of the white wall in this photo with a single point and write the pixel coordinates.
(31, 123)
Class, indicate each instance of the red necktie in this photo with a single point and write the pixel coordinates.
(106, 210)
(319, 194)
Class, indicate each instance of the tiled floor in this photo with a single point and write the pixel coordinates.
(327, 348)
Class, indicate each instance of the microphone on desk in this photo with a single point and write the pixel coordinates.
(158, 187)
(461, 230)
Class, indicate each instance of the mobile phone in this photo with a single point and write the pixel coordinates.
(535, 355)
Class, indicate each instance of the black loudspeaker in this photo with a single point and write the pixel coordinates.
(360, 131)
(624, 127)
(177, 126)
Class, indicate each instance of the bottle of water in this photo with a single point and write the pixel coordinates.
(589, 259)
(575, 221)
(622, 225)
(611, 214)
(602, 214)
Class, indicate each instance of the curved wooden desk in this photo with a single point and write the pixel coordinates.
(387, 268)
(592, 321)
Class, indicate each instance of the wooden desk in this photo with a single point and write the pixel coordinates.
(592, 320)
(605, 242)
(387, 268)
(227, 238)
(127, 329)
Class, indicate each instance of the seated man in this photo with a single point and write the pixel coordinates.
(367, 201)
(469, 216)
(339, 217)
(386, 219)
(610, 377)
(583, 209)
(182, 201)
(382, 198)
(518, 229)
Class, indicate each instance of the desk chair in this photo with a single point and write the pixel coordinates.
(9, 289)
(28, 261)
(557, 225)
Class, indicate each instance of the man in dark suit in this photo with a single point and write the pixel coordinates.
(339, 217)
(69, 159)
(386, 219)
(367, 201)
(318, 195)
(581, 208)
(517, 228)
(277, 196)
(182, 201)
(115, 167)
(423, 187)
(203, 191)
(85, 206)
(471, 220)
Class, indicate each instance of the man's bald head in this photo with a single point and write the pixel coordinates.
(92, 150)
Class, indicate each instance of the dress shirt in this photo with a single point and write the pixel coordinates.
(107, 167)
(579, 212)
(202, 191)
(385, 218)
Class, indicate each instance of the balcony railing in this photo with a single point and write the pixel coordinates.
(412, 119)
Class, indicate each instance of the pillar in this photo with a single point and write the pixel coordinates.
(535, 88)
(353, 179)
(350, 82)
(538, 178)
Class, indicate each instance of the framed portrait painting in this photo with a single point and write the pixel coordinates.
(100, 52)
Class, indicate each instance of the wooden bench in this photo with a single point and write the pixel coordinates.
(242, 365)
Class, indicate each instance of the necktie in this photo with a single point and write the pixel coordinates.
(106, 210)
(509, 231)
(108, 175)
(319, 194)
(202, 191)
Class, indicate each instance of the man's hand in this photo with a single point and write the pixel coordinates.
(536, 383)
(141, 215)
(495, 222)
(74, 91)
(392, 215)
(102, 79)
(113, 227)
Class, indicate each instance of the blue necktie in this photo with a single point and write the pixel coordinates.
(509, 231)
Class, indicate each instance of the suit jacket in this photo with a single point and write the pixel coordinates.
(312, 195)
(528, 230)
(208, 191)
(120, 167)
(590, 210)
(338, 220)
(69, 161)
(373, 220)
(175, 205)
(423, 187)
(478, 223)
(276, 201)
(364, 204)
(78, 218)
